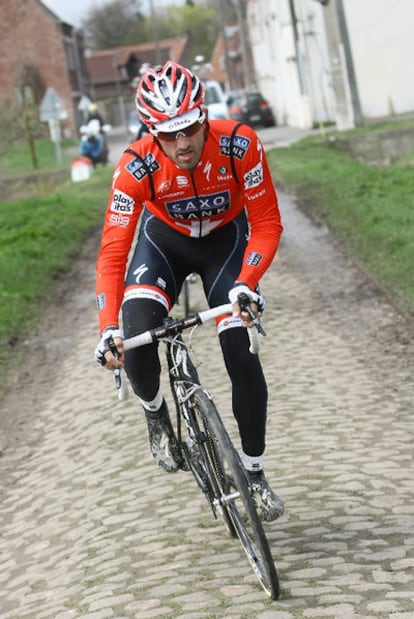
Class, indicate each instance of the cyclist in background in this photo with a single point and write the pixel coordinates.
(207, 204)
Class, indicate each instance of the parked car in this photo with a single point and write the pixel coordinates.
(236, 102)
(258, 110)
(215, 100)
(251, 108)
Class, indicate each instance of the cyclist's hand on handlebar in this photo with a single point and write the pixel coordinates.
(247, 304)
(109, 351)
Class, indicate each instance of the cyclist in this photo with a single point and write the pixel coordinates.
(206, 202)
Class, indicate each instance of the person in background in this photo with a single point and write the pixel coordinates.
(94, 114)
(206, 202)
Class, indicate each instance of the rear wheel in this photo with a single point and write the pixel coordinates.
(185, 291)
(230, 490)
(186, 296)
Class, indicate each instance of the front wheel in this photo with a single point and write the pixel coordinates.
(231, 492)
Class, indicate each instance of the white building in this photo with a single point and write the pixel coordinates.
(349, 61)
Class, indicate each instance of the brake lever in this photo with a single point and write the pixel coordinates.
(244, 303)
(115, 352)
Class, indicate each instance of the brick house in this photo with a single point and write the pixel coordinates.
(116, 67)
(38, 50)
(112, 71)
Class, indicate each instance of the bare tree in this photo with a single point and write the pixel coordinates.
(120, 22)
(124, 22)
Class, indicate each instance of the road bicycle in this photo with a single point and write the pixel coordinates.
(207, 449)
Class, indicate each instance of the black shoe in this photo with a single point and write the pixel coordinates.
(163, 442)
(269, 506)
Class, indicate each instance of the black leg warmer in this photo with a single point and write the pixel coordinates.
(249, 393)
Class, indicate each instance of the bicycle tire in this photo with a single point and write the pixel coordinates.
(195, 454)
(233, 493)
(204, 462)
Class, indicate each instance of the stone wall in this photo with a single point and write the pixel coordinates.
(378, 147)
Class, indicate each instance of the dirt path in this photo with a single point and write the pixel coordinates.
(91, 529)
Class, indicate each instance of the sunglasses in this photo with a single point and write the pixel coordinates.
(187, 132)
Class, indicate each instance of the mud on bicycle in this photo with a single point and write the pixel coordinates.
(207, 449)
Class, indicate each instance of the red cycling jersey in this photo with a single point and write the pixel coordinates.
(232, 174)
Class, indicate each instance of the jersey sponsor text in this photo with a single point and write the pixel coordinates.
(139, 170)
(122, 203)
(254, 177)
(199, 207)
(240, 145)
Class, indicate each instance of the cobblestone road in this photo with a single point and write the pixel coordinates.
(92, 529)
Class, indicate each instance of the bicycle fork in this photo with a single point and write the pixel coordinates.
(191, 444)
(195, 449)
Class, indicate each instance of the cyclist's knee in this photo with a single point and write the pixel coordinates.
(241, 364)
(142, 364)
(234, 339)
(142, 312)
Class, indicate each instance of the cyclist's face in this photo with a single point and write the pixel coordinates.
(185, 150)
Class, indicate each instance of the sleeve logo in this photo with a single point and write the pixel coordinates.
(254, 259)
(100, 301)
(254, 177)
(122, 203)
(139, 169)
(240, 145)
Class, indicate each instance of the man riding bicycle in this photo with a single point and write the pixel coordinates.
(206, 202)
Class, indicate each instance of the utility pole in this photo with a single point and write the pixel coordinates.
(244, 43)
(356, 104)
(225, 44)
(155, 33)
(344, 83)
(121, 102)
(293, 17)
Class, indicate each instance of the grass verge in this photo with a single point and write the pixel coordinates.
(39, 237)
(370, 208)
(18, 159)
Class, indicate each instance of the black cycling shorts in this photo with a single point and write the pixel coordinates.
(163, 258)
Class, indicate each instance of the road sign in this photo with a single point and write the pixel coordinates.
(52, 110)
(52, 107)
(84, 103)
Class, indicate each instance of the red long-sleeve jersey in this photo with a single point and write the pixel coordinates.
(192, 202)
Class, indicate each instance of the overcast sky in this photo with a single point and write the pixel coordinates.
(73, 11)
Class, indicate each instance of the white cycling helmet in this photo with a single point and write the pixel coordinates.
(166, 93)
